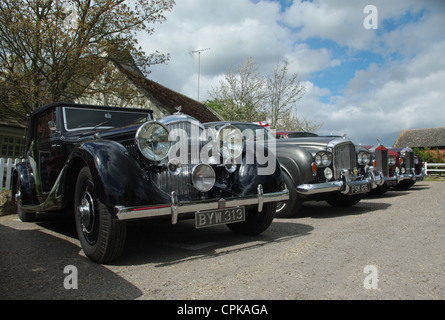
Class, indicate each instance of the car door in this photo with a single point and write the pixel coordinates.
(45, 153)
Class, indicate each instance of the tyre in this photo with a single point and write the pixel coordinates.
(17, 198)
(380, 190)
(344, 200)
(256, 222)
(291, 207)
(404, 185)
(101, 236)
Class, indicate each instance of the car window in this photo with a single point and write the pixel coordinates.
(42, 128)
(80, 119)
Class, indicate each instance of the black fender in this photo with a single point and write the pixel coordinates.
(23, 173)
(250, 177)
(118, 178)
(296, 162)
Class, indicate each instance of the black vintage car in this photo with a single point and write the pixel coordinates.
(318, 168)
(111, 165)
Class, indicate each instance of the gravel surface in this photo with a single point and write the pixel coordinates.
(386, 247)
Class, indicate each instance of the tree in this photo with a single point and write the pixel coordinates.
(282, 92)
(290, 122)
(247, 95)
(51, 49)
(241, 93)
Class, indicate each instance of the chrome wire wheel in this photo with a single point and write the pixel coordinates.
(86, 210)
(87, 216)
(101, 236)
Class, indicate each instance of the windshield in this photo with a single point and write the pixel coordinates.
(301, 135)
(76, 119)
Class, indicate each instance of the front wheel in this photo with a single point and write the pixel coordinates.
(291, 207)
(101, 236)
(17, 198)
(256, 222)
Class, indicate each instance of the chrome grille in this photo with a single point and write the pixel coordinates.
(188, 133)
(409, 160)
(344, 158)
(381, 157)
(180, 183)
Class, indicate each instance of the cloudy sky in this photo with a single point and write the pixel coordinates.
(368, 83)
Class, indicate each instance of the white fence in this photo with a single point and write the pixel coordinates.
(434, 167)
(6, 167)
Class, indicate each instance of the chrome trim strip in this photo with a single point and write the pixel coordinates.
(176, 208)
(260, 198)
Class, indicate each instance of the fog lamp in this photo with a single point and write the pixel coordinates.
(328, 174)
(203, 177)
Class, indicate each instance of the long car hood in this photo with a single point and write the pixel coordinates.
(311, 144)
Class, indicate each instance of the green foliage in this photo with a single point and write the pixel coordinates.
(52, 50)
(428, 155)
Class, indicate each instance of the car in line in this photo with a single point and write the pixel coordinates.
(387, 162)
(411, 168)
(317, 168)
(112, 165)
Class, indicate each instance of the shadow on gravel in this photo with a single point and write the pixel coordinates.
(322, 210)
(164, 244)
(155, 242)
(32, 266)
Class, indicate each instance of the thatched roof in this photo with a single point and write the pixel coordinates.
(421, 138)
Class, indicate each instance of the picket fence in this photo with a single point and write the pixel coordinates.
(6, 168)
(434, 167)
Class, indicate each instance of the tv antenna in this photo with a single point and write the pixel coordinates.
(199, 64)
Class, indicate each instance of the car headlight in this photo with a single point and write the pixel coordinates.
(203, 177)
(392, 160)
(416, 161)
(363, 158)
(323, 159)
(152, 139)
(230, 141)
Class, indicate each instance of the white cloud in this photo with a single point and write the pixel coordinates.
(304, 61)
(234, 31)
(400, 87)
(392, 98)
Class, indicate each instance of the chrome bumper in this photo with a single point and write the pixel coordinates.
(175, 208)
(410, 176)
(345, 185)
(419, 177)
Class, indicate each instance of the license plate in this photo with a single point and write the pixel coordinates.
(364, 188)
(204, 219)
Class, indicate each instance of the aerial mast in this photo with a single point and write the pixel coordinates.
(199, 64)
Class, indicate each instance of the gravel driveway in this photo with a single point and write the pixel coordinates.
(386, 247)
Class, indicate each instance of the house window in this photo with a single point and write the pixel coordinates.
(11, 147)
